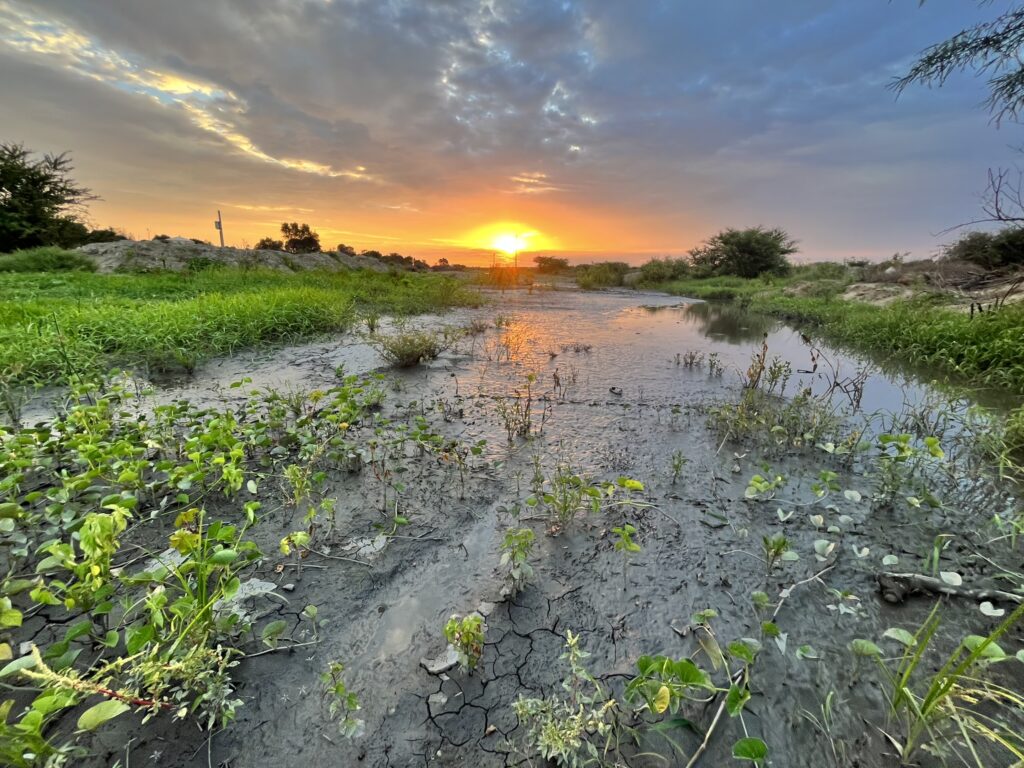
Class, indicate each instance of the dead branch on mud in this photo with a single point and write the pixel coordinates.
(897, 587)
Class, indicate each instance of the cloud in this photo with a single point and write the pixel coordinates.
(210, 107)
(610, 125)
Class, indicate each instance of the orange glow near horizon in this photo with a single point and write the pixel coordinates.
(508, 238)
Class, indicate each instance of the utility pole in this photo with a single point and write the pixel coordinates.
(219, 226)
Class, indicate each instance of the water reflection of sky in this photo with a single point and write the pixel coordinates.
(594, 342)
(634, 338)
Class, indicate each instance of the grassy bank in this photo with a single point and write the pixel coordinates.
(985, 351)
(56, 325)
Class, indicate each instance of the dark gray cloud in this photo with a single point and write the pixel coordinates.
(676, 116)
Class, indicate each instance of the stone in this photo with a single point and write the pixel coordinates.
(448, 659)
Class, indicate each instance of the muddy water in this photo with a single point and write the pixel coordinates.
(611, 399)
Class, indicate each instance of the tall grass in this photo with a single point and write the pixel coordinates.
(46, 259)
(605, 274)
(57, 326)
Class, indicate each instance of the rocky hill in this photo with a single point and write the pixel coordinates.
(179, 254)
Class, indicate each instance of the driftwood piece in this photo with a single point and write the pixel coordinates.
(897, 587)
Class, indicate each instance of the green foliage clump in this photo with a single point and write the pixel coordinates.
(516, 548)
(606, 274)
(466, 635)
(574, 730)
(990, 250)
(46, 259)
(664, 270)
(161, 638)
(408, 348)
(54, 328)
(269, 244)
(745, 253)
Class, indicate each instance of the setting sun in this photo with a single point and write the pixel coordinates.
(510, 243)
(508, 238)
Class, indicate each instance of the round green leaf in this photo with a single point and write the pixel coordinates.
(97, 715)
(750, 749)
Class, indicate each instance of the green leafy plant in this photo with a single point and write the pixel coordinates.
(679, 462)
(900, 462)
(625, 544)
(573, 730)
(466, 635)
(516, 548)
(762, 488)
(342, 704)
(774, 549)
(407, 348)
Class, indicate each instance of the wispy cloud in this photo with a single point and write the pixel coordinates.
(269, 208)
(210, 107)
(532, 183)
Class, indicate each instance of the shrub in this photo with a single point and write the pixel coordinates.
(408, 348)
(46, 259)
(270, 244)
(550, 265)
(603, 275)
(664, 270)
(990, 250)
(745, 253)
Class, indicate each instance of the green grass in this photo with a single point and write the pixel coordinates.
(986, 351)
(54, 326)
(46, 259)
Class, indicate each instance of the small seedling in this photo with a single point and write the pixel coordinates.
(342, 704)
(679, 462)
(624, 543)
(774, 549)
(516, 548)
(466, 635)
(762, 488)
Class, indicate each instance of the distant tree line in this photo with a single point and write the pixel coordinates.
(738, 252)
(40, 204)
(300, 238)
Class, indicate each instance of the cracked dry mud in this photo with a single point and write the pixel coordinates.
(381, 618)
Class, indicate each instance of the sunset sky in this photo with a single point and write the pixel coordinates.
(592, 128)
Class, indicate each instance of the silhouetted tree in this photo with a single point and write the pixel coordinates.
(40, 204)
(443, 263)
(348, 250)
(269, 244)
(745, 253)
(549, 265)
(299, 238)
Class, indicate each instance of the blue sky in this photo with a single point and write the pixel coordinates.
(601, 128)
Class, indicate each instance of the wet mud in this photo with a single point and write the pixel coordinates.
(610, 399)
